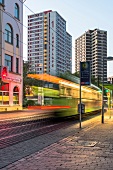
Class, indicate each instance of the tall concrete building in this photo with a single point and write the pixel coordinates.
(92, 46)
(11, 54)
(49, 45)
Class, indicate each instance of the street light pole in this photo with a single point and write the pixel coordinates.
(110, 58)
(103, 92)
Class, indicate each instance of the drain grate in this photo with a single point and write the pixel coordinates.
(85, 143)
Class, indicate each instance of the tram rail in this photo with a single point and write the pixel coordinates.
(14, 132)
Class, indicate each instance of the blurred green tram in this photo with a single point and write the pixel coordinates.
(62, 95)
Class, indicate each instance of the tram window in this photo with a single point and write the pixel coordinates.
(50, 85)
(69, 92)
(62, 90)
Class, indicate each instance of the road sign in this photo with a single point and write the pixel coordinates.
(85, 73)
(82, 108)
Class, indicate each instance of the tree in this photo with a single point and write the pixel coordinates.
(64, 75)
(25, 79)
(77, 74)
(67, 75)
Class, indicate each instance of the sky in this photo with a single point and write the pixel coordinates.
(80, 16)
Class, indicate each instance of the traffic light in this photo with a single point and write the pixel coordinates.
(107, 90)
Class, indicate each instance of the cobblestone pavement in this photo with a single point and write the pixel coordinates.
(88, 148)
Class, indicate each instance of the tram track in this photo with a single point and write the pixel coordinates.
(18, 134)
(24, 129)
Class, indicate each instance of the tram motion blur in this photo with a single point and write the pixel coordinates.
(62, 95)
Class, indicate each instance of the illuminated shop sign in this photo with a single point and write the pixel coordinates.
(13, 79)
(4, 72)
(5, 75)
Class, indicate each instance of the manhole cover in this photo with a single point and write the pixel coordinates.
(86, 143)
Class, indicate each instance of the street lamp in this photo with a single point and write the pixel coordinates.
(103, 92)
(109, 58)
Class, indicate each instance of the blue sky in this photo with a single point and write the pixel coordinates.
(80, 16)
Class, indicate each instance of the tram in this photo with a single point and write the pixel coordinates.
(62, 95)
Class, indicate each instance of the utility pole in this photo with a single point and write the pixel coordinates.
(103, 92)
(80, 105)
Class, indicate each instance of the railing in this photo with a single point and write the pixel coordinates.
(4, 98)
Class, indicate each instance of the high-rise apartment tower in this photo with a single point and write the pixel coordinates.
(49, 45)
(92, 46)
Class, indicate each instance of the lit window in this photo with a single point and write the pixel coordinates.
(9, 34)
(17, 40)
(8, 61)
(17, 11)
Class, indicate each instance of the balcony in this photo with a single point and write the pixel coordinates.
(45, 31)
(45, 54)
(45, 42)
(45, 50)
(45, 39)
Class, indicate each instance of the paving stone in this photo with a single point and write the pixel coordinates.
(90, 149)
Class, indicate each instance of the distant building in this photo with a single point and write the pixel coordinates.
(109, 66)
(92, 46)
(11, 52)
(110, 80)
(49, 45)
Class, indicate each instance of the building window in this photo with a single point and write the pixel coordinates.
(17, 40)
(4, 94)
(17, 11)
(9, 34)
(17, 65)
(16, 95)
(1, 1)
(8, 62)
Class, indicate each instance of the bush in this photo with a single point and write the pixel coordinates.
(30, 103)
(24, 102)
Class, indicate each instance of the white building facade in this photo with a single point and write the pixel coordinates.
(11, 51)
(49, 45)
(92, 46)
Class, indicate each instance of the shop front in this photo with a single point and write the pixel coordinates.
(10, 92)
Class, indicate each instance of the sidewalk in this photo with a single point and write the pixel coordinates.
(89, 148)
